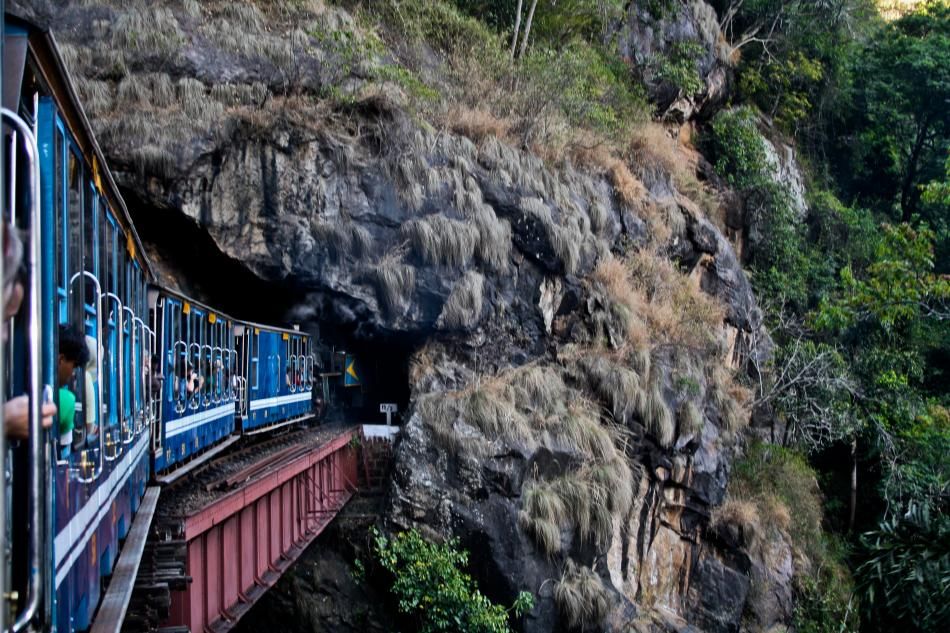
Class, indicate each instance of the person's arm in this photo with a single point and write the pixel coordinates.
(16, 417)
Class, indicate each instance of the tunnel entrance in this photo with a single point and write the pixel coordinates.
(186, 258)
(382, 364)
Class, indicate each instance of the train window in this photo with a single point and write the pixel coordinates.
(255, 349)
(90, 226)
(74, 211)
(59, 178)
(90, 258)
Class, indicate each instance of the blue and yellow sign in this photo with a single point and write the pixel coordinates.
(350, 376)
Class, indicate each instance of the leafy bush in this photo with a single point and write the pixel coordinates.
(905, 577)
(433, 592)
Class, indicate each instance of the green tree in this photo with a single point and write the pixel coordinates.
(903, 122)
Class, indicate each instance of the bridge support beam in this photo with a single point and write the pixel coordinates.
(239, 545)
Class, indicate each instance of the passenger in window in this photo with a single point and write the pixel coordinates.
(73, 353)
(217, 377)
(90, 382)
(195, 382)
(16, 411)
(155, 376)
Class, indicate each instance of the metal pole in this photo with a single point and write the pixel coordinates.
(37, 441)
(3, 398)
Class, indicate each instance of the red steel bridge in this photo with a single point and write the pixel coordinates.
(224, 535)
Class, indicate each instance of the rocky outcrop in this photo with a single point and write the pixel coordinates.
(680, 53)
(535, 387)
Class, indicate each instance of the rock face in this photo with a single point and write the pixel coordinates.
(527, 380)
(663, 36)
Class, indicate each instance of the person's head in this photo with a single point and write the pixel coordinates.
(73, 352)
(12, 284)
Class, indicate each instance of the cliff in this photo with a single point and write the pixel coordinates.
(572, 327)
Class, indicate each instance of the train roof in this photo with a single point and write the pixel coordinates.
(56, 77)
(204, 306)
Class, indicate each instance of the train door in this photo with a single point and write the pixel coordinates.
(24, 507)
(253, 365)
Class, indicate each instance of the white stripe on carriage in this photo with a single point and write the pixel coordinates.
(264, 403)
(84, 523)
(176, 427)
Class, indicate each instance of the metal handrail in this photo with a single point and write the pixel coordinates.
(132, 342)
(150, 399)
(120, 345)
(291, 373)
(216, 392)
(180, 403)
(140, 378)
(310, 372)
(233, 360)
(206, 388)
(40, 503)
(98, 403)
(242, 395)
(196, 396)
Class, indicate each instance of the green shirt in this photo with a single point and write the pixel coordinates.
(67, 411)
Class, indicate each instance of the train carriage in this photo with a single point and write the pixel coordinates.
(170, 381)
(88, 273)
(275, 375)
(197, 360)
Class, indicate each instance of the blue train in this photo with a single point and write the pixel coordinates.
(170, 381)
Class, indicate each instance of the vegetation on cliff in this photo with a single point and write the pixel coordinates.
(850, 384)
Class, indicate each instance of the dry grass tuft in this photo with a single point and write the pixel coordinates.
(463, 308)
(439, 240)
(742, 514)
(395, 283)
(651, 148)
(627, 186)
(478, 124)
(494, 238)
(95, 95)
(343, 239)
(541, 516)
(133, 91)
(658, 418)
(679, 312)
(621, 388)
(152, 30)
(628, 306)
(729, 398)
(488, 409)
(690, 418)
(229, 94)
(581, 597)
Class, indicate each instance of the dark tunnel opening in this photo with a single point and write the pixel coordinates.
(187, 258)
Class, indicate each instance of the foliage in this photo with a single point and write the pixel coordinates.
(783, 491)
(902, 123)
(584, 85)
(680, 66)
(433, 592)
(740, 156)
(555, 23)
(825, 602)
(906, 572)
(794, 59)
(896, 288)
(736, 147)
